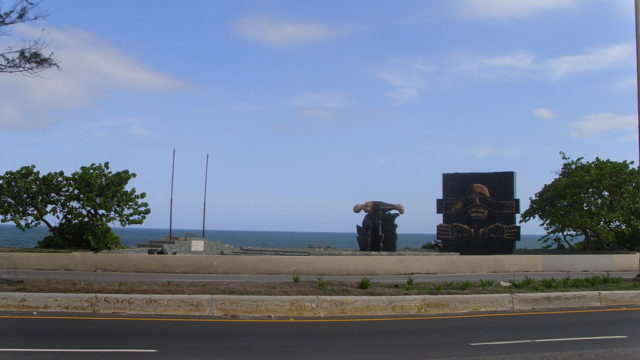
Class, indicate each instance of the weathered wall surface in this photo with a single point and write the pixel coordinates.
(319, 265)
(310, 306)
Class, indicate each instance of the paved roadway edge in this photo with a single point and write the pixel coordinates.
(310, 306)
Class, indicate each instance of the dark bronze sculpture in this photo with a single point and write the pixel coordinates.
(378, 230)
(478, 211)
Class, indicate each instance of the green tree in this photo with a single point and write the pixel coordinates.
(30, 58)
(98, 197)
(591, 205)
(78, 209)
(28, 199)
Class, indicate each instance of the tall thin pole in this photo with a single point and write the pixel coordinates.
(637, 11)
(173, 167)
(204, 206)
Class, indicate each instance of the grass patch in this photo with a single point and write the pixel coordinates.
(320, 286)
(365, 283)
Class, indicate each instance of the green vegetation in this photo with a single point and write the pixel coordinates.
(409, 284)
(77, 209)
(29, 58)
(296, 279)
(319, 287)
(591, 205)
(430, 246)
(464, 285)
(486, 283)
(321, 284)
(526, 285)
(365, 283)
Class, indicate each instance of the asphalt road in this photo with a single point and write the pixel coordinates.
(114, 276)
(601, 334)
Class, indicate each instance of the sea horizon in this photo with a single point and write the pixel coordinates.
(11, 236)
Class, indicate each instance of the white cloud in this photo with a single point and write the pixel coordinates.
(89, 67)
(272, 31)
(407, 79)
(597, 124)
(613, 56)
(321, 105)
(510, 9)
(512, 65)
(323, 99)
(119, 128)
(544, 113)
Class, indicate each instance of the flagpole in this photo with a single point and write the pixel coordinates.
(204, 206)
(173, 166)
(637, 17)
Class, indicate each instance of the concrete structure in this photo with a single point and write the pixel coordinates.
(319, 265)
(310, 306)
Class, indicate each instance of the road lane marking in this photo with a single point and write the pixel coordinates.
(291, 320)
(582, 338)
(83, 350)
(502, 342)
(549, 340)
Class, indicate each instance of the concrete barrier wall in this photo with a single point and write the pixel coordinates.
(310, 306)
(318, 265)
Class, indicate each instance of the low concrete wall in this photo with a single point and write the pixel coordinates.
(319, 265)
(310, 306)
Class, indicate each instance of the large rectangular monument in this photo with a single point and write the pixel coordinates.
(478, 213)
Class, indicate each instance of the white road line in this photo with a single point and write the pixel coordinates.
(82, 350)
(549, 340)
(582, 338)
(502, 342)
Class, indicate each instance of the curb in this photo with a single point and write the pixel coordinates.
(310, 306)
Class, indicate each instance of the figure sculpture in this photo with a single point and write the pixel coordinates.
(378, 230)
(475, 221)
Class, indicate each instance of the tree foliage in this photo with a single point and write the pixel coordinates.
(78, 209)
(28, 199)
(591, 205)
(29, 58)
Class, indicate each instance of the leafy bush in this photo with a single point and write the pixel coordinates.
(77, 209)
(365, 283)
(591, 205)
(81, 235)
(551, 283)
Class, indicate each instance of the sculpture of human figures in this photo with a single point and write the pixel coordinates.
(472, 226)
(378, 230)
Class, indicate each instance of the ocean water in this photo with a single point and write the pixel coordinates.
(10, 236)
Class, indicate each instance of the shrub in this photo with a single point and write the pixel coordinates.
(465, 285)
(365, 283)
(551, 283)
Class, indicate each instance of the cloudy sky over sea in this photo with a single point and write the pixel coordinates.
(309, 107)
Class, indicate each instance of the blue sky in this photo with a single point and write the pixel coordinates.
(309, 107)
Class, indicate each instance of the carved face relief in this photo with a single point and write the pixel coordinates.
(476, 204)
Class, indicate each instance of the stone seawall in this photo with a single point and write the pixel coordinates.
(319, 265)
